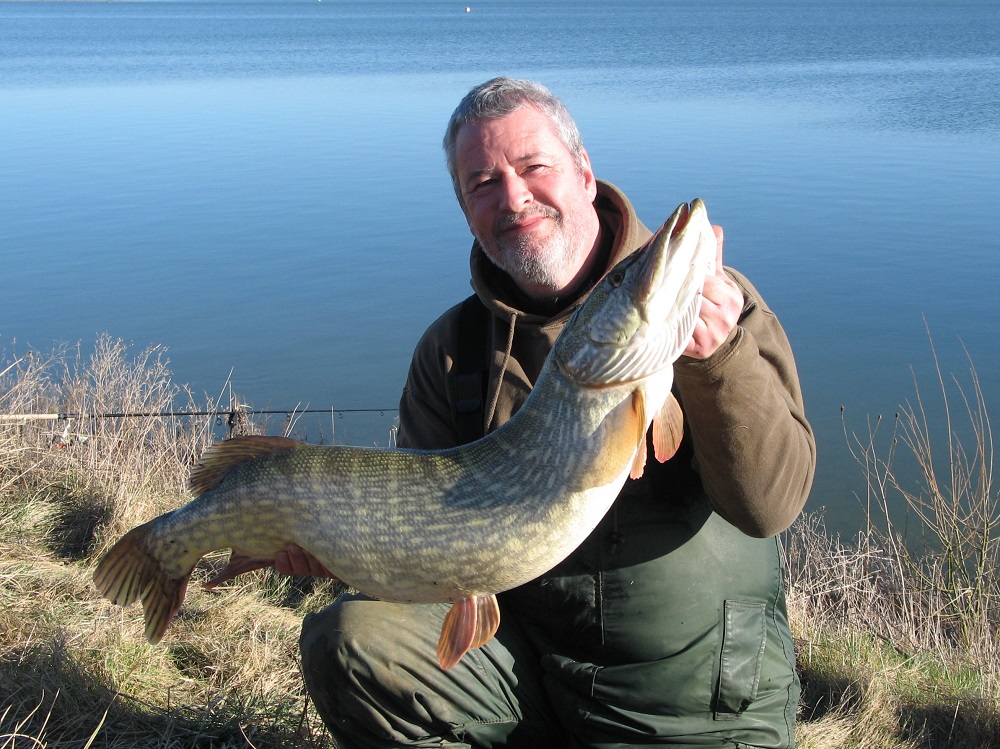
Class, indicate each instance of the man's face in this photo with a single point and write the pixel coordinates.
(527, 202)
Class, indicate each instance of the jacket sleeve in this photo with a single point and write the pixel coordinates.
(426, 421)
(753, 447)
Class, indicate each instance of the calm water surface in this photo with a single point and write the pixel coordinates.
(259, 186)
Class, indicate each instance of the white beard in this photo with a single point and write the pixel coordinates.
(549, 262)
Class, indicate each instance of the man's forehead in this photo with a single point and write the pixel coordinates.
(522, 135)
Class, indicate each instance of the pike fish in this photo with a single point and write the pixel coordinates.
(463, 524)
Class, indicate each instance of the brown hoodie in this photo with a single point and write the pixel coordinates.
(669, 621)
(753, 448)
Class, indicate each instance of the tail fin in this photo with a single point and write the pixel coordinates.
(128, 572)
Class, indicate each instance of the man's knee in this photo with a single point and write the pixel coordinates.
(350, 630)
(371, 669)
(361, 634)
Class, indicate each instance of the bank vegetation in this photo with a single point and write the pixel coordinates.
(897, 631)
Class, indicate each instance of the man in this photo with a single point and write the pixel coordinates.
(667, 626)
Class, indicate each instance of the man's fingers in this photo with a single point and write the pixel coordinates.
(282, 563)
(294, 560)
(720, 238)
(316, 568)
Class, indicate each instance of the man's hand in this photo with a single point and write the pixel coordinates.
(721, 305)
(294, 560)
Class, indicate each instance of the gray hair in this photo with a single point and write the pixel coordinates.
(500, 97)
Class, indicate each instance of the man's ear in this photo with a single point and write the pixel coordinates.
(587, 171)
(461, 204)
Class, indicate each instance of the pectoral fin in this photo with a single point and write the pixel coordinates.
(668, 429)
(639, 460)
(471, 623)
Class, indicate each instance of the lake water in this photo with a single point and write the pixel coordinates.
(259, 186)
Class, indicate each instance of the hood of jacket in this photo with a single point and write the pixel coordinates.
(522, 338)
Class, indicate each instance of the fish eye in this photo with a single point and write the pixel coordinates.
(616, 278)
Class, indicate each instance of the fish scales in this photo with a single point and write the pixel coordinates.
(457, 525)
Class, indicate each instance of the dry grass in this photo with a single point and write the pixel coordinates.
(899, 631)
(75, 670)
(897, 635)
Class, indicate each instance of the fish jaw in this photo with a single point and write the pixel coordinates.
(640, 317)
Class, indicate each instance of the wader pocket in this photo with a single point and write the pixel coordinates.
(743, 641)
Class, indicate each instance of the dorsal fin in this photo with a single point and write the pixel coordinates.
(222, 457)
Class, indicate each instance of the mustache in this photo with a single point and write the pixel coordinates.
(510, 220)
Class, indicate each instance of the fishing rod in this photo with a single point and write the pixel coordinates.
(230, 413)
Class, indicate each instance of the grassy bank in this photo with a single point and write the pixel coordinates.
(898, 631)
(897, 642)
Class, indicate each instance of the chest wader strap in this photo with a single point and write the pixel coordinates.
(472, 369)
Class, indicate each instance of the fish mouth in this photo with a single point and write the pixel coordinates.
(669, 252)
(681, 217)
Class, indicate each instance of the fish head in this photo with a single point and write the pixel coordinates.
(640, 316)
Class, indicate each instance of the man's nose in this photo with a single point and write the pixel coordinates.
(516, 194)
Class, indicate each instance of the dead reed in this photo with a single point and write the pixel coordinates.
(75, 671)
(899, 630)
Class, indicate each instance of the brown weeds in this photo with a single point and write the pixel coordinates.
(85, 454)
(899, 631)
